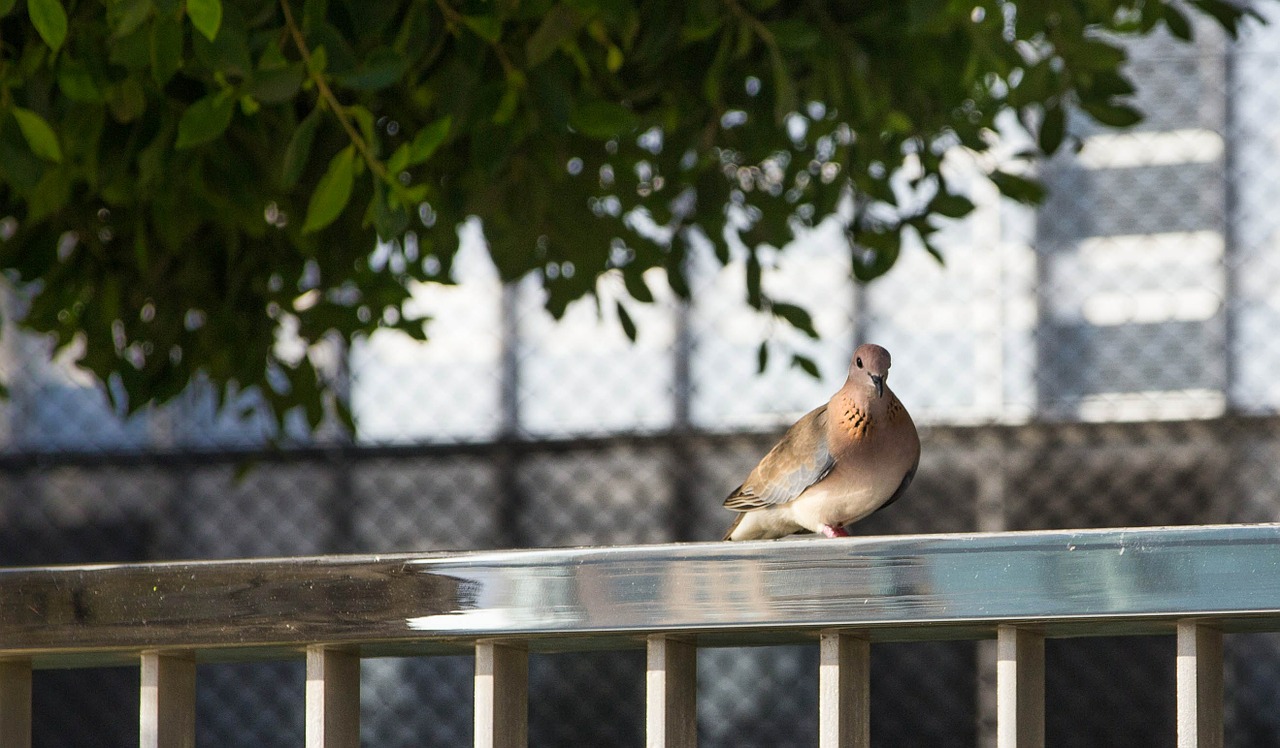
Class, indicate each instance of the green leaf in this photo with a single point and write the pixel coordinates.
(1095, 54)
(1228, 15)
(1053, 129)
(379, 69)
(365, 120)
(934, 252)
(603, 120)
(428, 140)
(166, 49)
(399, 160)
(898, 122)
(754, 296)
(206, 16)
(341, 58)
(333, 191)
(49, 196)
(635, 284)
(488, 28)
(387, 221)
(785, 100)
(346, 416)
(795, 34)
(50, 20)
(80, 135)
(6, 6)
(1038, 83)
(877, 251)
(1177, 22)
(562, 22)
(153, 160)
(928, 17)
(506, 106)
(127, 100)
(425, 142)
(319, 62)
(39, 136)
(951, 205)
(125, 16)
(77, 83)
(1109, 83)
(228, 52)
(132, 51)
(1113, 115)
(277, 85)
(628, 325)
(676, 264)
(272, 57)
(797, 317)
(313, 14)
(205, 120)
(806, 364)
(1026, 191)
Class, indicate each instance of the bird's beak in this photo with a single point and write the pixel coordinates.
(878, 381)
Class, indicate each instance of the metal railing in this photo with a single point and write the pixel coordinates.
(843, 595)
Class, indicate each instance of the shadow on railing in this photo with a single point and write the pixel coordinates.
(843, 595)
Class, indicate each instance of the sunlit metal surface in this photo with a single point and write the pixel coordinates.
(906, 587)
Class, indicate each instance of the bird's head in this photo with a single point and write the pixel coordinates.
(870, 367)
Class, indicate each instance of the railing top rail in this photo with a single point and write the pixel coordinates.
(1076, 582)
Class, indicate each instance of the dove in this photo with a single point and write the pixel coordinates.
(839, 463)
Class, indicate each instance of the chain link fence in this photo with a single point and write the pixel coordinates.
(1106, 360)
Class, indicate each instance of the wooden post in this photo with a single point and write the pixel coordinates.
(1019, 688)
(671, 719)
(502, 695)
(167, 717)
(15, 704)
(1199, 685)
(844, 690)
(333, 698)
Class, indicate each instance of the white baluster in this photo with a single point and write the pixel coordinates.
(844, 690)
(1019, 688)
(502, 695)
(672, 693)
(167, 717)
(1199, 685)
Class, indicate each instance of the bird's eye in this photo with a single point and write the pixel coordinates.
(858, 361)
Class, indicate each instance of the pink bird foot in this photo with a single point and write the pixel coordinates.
(834, 531)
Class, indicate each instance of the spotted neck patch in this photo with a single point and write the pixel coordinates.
(854, 420)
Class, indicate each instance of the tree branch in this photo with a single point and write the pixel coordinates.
(326, 93)
(453, 19)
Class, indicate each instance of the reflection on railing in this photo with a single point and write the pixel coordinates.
(842, 595)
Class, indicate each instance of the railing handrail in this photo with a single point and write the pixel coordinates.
(1114, 581)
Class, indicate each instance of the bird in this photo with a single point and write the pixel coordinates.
(839, 463)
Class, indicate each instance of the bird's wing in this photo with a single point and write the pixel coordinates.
(902, 487)
(800, 459)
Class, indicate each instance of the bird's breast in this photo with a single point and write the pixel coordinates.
(851, 491)
(870, 461)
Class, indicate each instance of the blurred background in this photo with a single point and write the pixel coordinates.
(1109, 359)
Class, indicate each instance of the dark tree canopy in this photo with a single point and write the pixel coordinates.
(179, 177)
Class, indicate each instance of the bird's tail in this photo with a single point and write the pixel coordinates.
(734, 526)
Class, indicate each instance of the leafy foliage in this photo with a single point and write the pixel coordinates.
(187, 177)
